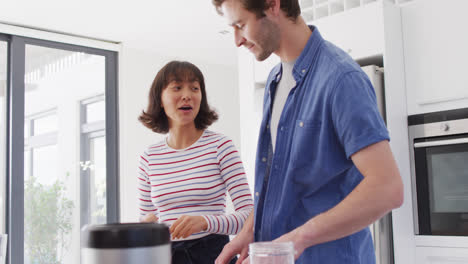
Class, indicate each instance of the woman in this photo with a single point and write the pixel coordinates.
(184, 178)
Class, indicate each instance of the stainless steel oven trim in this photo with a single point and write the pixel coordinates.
(441, 142)
(413, 182)
(444, 128)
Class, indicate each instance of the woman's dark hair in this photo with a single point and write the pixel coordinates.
(154, 117)
(290, 7)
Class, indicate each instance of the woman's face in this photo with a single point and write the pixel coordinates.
(181, 102)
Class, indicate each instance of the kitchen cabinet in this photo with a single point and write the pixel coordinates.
(436, 80)
(435, 47)
(317, 9)
(358, 31)
(440, 255)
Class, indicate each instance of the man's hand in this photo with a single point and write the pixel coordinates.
(187, 225)
(239, 245)
(295, 237)
(149, 218)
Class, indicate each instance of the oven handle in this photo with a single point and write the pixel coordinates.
(441, 142)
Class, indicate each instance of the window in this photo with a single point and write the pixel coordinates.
(61, 120)
(93, 161)
(40, 175)
(40, 148)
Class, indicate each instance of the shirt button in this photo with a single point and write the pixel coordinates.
(276, 166)
(264, 159)
(268, 126)
(256, 194)
(282, 128)
(301, 124)
(304, 70)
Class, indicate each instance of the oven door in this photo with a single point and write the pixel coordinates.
(441, 168)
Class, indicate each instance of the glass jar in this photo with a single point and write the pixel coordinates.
(271, 253)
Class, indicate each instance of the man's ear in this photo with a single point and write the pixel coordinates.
(274, 6)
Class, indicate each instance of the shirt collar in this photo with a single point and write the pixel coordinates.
(306, 58)
(276, 72)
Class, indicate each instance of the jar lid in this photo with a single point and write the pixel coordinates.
(271, 248)
(130, 235)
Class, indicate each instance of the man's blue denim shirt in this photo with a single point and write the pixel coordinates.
(331, 114)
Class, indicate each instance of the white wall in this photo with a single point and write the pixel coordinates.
(251, 98)
(137, 71)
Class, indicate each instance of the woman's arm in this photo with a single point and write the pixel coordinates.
(235, 180)
(145, 204)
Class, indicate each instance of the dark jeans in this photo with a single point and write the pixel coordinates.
(204, 250)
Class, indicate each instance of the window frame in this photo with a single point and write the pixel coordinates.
(15, 144)
(5, 190)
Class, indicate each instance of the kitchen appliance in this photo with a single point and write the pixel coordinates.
(131, 243)
(439, 172)
(382, 229)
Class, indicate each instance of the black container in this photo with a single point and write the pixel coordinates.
(126, 244)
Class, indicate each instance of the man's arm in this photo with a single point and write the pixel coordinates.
(240, 244)
(379, 192)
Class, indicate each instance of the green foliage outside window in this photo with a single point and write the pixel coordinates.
(47, 221)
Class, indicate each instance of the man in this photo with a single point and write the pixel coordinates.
(324, 168)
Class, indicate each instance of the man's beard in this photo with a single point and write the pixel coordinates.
(268, 39)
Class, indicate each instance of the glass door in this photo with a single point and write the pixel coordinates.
(55, 82)
(62, 147)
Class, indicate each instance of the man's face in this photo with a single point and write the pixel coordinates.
(259, 35)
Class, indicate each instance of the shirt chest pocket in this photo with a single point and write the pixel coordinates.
(306, 146)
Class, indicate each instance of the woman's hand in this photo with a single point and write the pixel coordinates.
(149, 218)
(187, 225)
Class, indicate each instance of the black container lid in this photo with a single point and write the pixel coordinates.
(129, 235)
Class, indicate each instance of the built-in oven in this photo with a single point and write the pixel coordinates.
(439, 167)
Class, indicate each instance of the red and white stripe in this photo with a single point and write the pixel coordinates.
(194, 181)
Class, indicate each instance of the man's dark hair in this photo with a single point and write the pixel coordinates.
(290, 7)
(154, 117)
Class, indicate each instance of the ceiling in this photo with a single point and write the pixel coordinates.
(177, 28)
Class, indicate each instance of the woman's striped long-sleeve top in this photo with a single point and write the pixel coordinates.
(194, 181)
